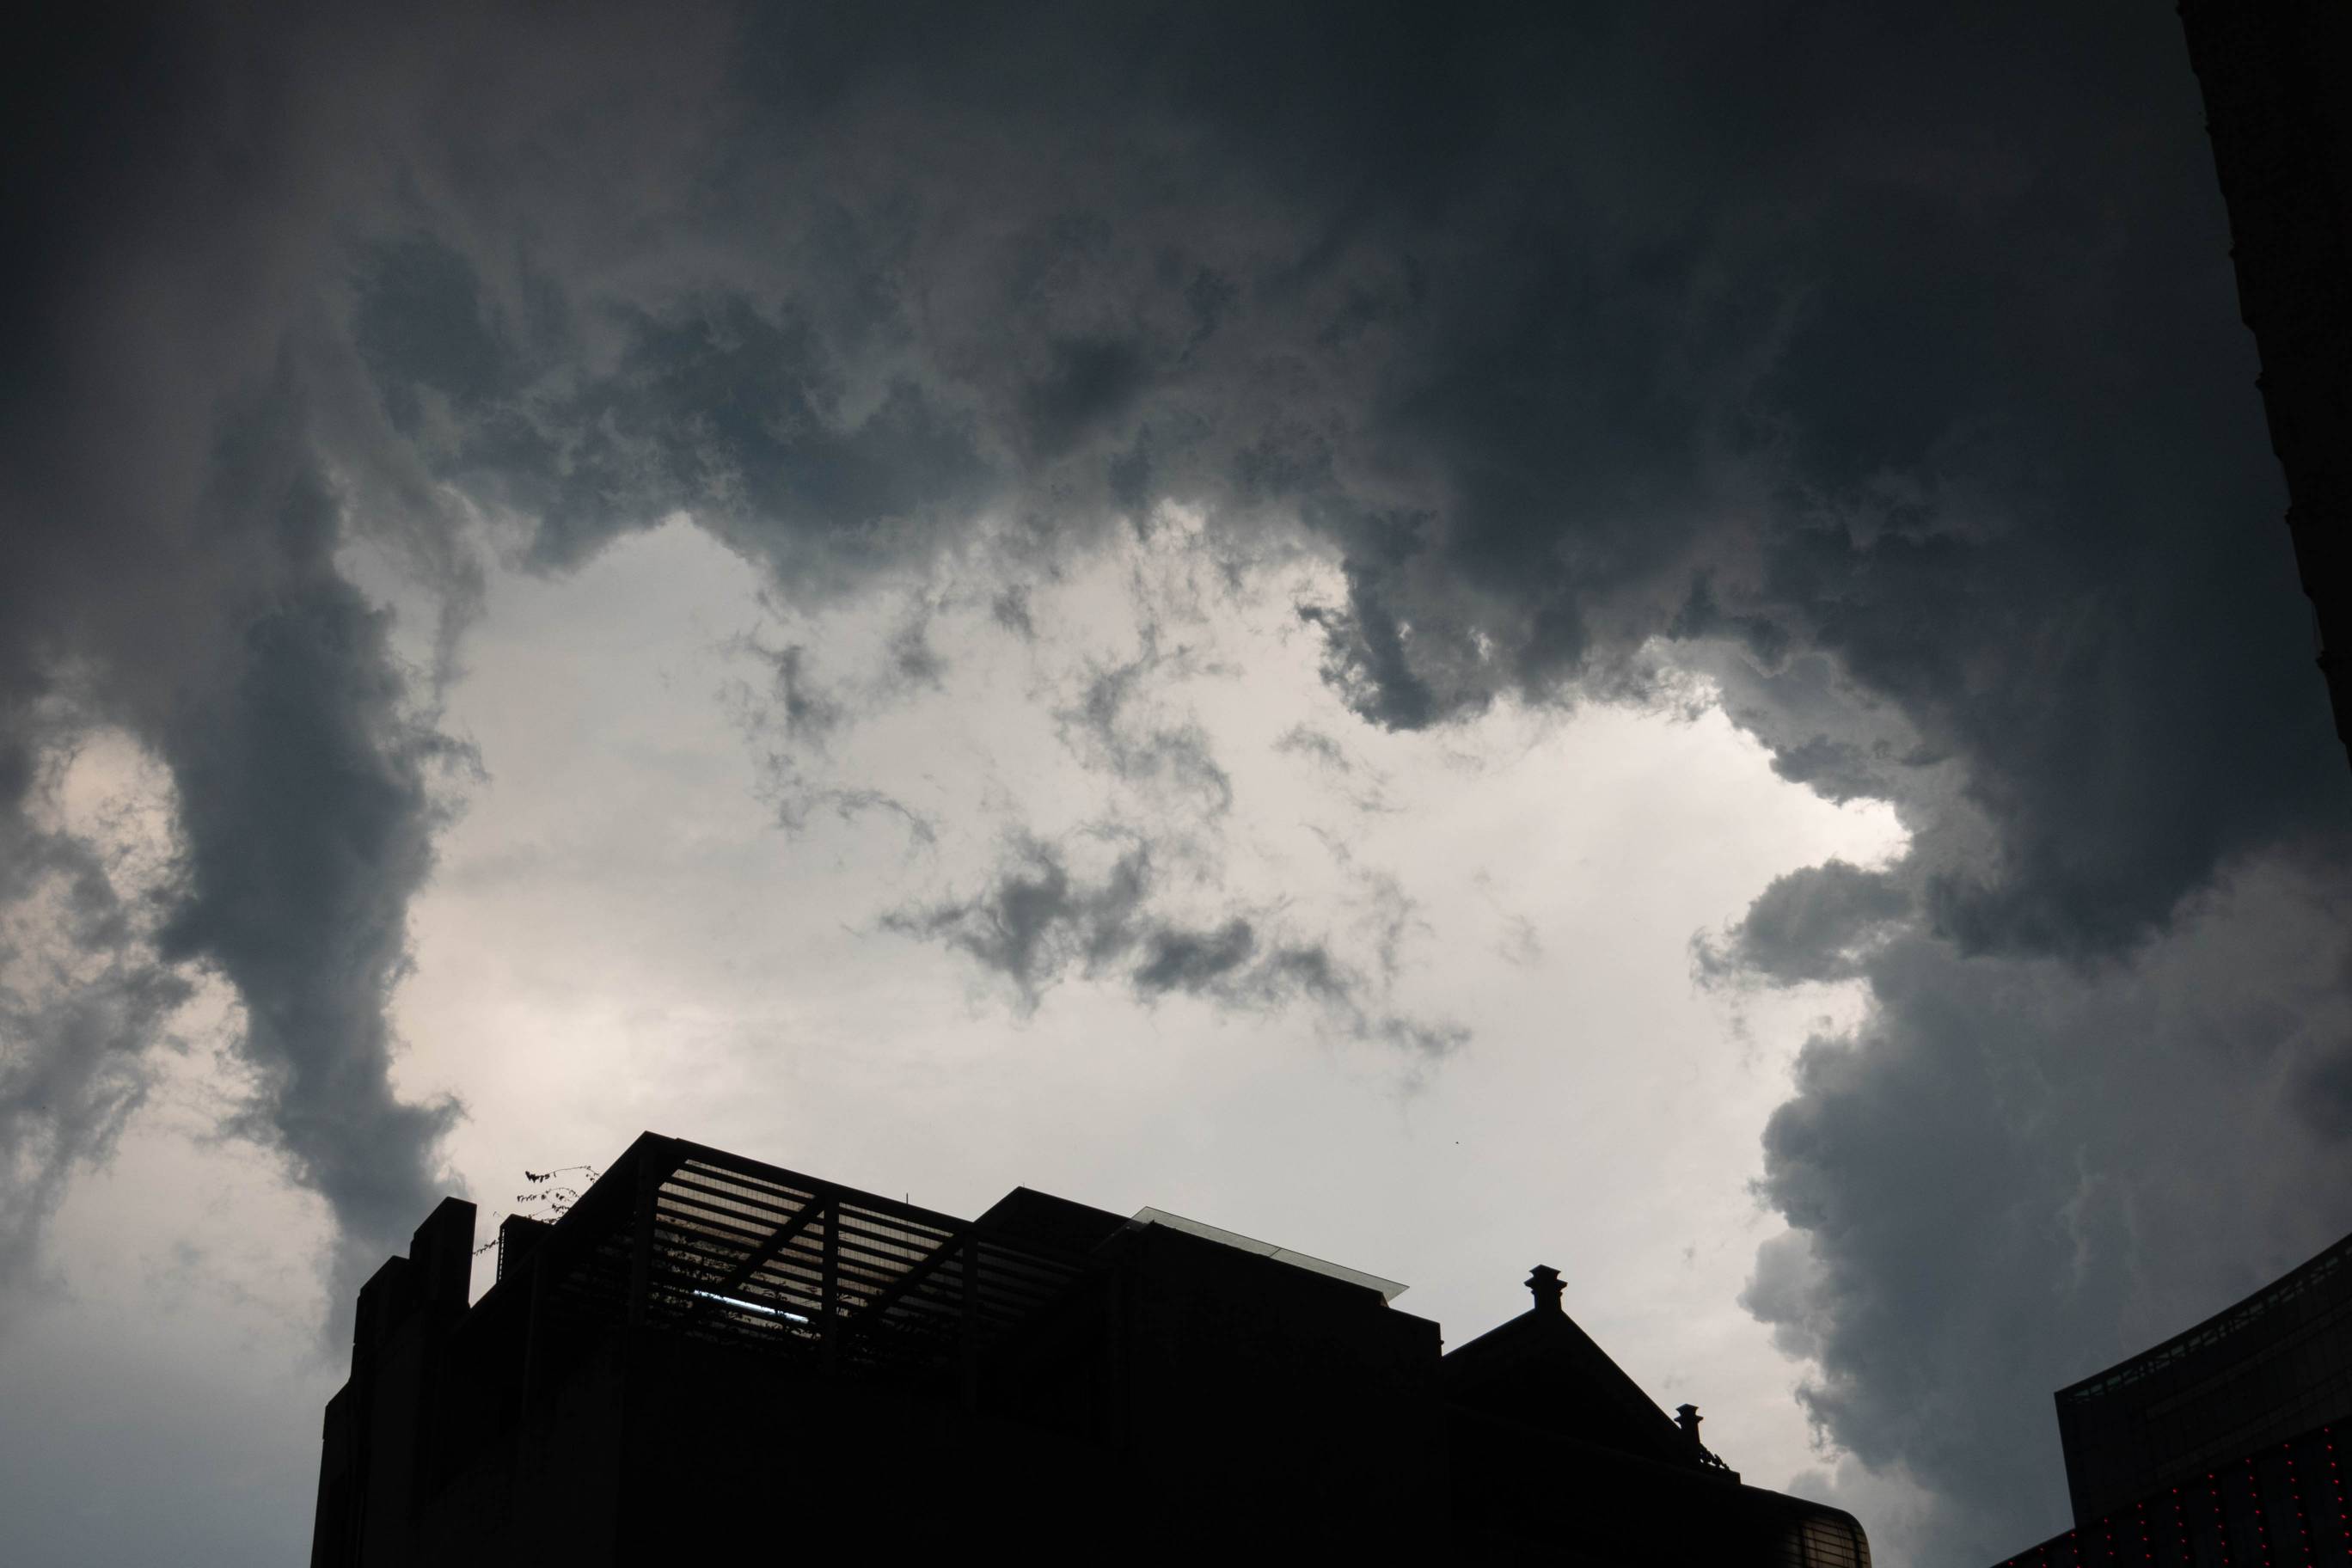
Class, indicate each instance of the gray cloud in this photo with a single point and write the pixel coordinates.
(1520, 944)
(913, 660)
(1813, 924)
(1361, 785)
(1010, 609)
(1304, 741)
(81, 1003)
(1038, 922)
(1034, 922)
(1388, 914)
(791, 718)
(1172, 758)
(808, 714)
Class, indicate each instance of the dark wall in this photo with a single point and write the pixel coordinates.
(2283, 1502)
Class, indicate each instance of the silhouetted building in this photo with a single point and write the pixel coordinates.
(2219, 1445)
(712, 1359)
(2273, 73)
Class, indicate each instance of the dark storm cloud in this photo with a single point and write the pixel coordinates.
(2015, 1173)
(303, 778)
(722, 412)
(1883, 366)
(307, 817)
(168, 572)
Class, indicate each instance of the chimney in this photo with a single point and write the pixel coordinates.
(441, 1254)
(1686, 1416)
(1543, 1284)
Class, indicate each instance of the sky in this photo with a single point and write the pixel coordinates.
(1648, 638)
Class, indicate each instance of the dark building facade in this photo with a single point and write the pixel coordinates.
(709, 1357)
(2273, 75)
(2219, 1445)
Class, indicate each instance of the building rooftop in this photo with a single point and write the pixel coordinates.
(705, 1348)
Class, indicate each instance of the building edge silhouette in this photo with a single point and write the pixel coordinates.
(709, 1357)
(2277, 111)
(2218, 1445)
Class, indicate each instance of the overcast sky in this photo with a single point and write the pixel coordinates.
(1653, 639)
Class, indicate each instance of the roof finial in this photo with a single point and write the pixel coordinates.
(1543, 1284)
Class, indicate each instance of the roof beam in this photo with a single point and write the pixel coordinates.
(891, 1294)
(821, 1203)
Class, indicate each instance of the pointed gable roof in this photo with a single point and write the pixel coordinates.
(1541, 1368)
